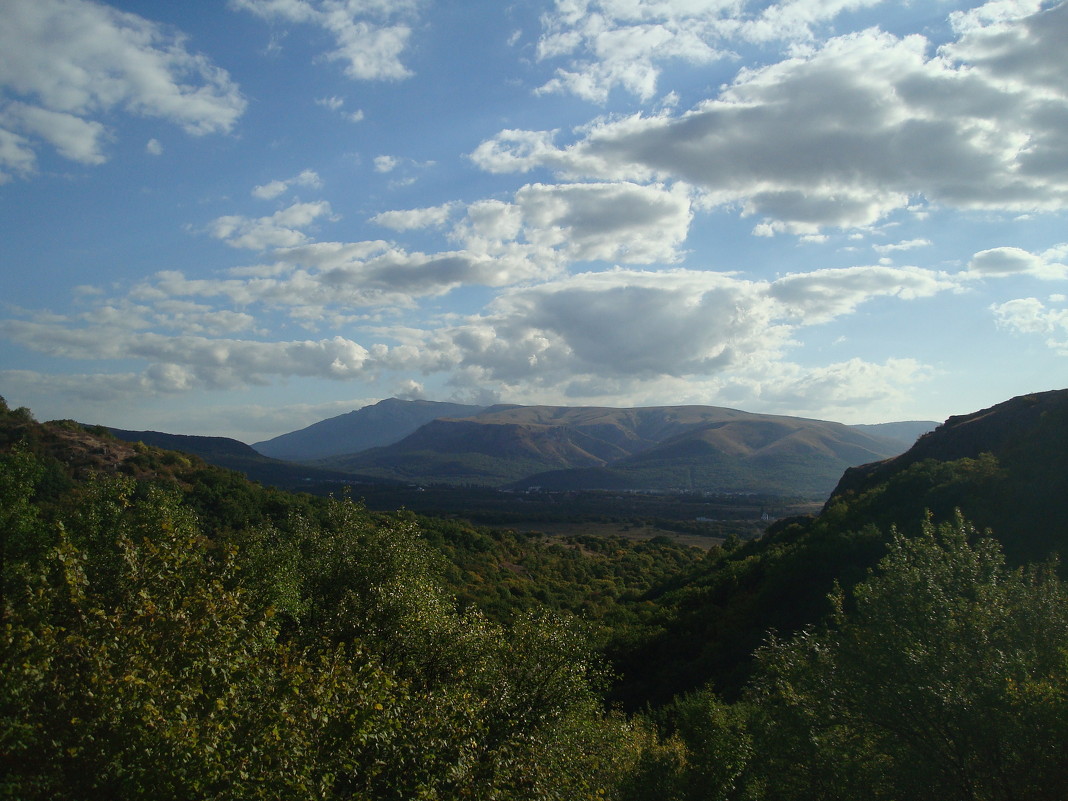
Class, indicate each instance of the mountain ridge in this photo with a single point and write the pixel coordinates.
(657, 448)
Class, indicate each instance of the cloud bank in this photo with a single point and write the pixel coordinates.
(65, 64)
(849, 131)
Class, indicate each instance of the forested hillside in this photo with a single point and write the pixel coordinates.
(1004, 468)
(170, 630)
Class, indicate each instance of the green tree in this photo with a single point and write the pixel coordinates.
(699, 752)
(19, 518)
(154, 677)
(943, 675)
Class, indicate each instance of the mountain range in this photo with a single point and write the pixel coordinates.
(702, 448)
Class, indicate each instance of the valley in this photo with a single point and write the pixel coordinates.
(665, 636)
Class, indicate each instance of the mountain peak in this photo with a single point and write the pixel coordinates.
(373, 426)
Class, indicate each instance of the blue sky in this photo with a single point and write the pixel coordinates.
(239, 218)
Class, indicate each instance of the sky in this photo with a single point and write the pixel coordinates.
(238, 218)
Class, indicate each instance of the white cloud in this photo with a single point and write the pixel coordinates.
(792, 19)
(73, 137)
(154, 147)
(594, 335)
(624, 44)
(1032, 316)
(307, 178)
(15, 154)
(617, 222)
(369, 43)
(182, 363)
(269, 190)
(386, 163)
(635, 326)
(1018, 43)
(520, 151)
(681, 334)
(1008, 261)
(607, 221)
(821, 295)
(334, 103)
(621, 222)
(409, 389)
(200, 319)
(853, 391)
(843, 134)
(410, 219)
(281, 229)
(311, 282)
(907, 244)
(63, 63)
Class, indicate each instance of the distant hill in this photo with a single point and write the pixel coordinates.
(659, 448)
(904, 433)
(383, 423)
(234, 455)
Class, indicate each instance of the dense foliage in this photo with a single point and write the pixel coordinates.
(169, 630)
(715, 618)
(143, 658)
(943, 675)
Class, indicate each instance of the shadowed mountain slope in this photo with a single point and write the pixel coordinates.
(234, 455)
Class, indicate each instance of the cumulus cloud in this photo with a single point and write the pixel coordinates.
(369, 37)
(607, 221)
(1009, 261)
(907, 244)
(72, 136)
(499, 243)
(16, 155)
(410, 219)
(307, 178)
(622, 331)
(385, 163)
(822, 295)
(621, 222)
(281, 229)
(611, 44)
(630, 326)
(335, 103)
(182, 363)
(65, 63)
(843, 134)
(1032, 316)
(849, 391)
(684, 334)
(313, 281)
(587, 338)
